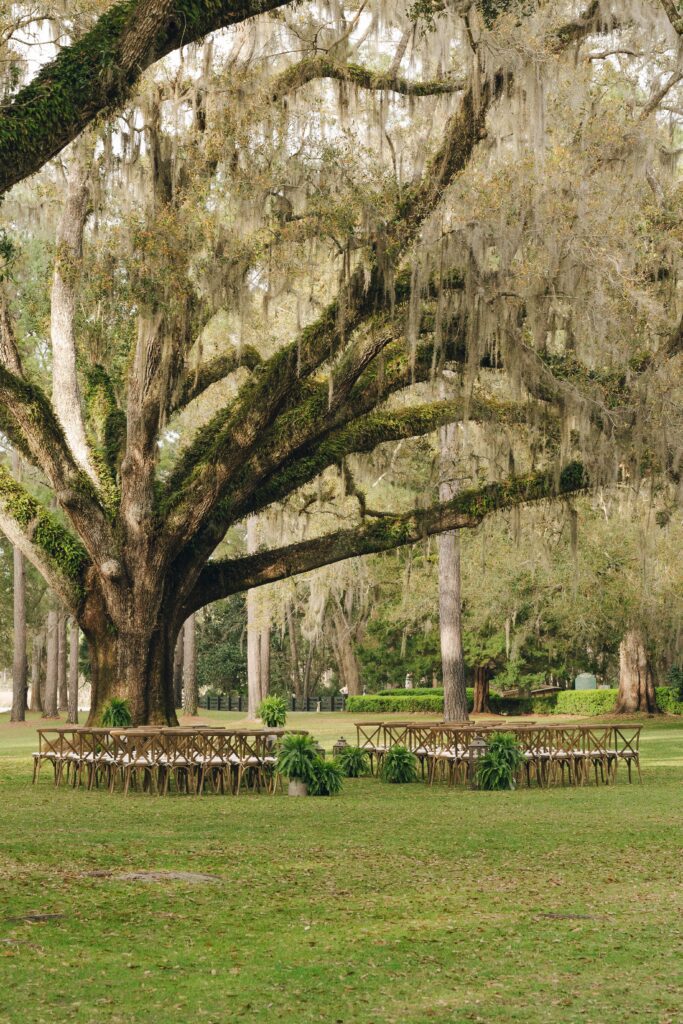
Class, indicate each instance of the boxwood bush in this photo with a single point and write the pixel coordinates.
(564, 702)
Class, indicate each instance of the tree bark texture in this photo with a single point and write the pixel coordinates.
(72, 703)
(19, 661)
(50, 705)
(636, 682)
(37, 675)
(62, 659)
(178, 670)
(450, 600)
(347, 661)
(481, 690)
(190, 666)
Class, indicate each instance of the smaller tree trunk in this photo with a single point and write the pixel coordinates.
(295, 667)
(62, 656)
(50, 702)
(190, 666)
(19, 666)
(481, 690)
(636, 682)
(72, 703)
(346, 655)
(264, 670)
(178, 658)
(37, 651)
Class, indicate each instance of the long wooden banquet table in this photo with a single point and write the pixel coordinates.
(551, 753)
(159, 759)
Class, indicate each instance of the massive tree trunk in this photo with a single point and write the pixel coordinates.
(190, 667)
(19, 666)
(482, 677)
(51, 670)
(72, 703)
(636, 682)
(450, 601)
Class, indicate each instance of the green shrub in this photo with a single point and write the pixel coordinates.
(399, 765)
(417, 691)
(273, 712)
(326, 778)
(498, 767)
(295, 756)
(353, 762)
(381, 705)
(116, 714)
(668, 700)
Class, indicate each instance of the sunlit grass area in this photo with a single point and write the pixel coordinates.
(386, 904)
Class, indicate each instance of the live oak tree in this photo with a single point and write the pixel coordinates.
(250, 287)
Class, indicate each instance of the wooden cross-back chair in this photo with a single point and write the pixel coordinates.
(626, 747)
(249, 759)
(50, 751)
(370, 736)
(137, 754)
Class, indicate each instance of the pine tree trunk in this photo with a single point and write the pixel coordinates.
(295, 667)
(62, 656)
(481, 690)
(72, 709)
(253, 636)
(636, 682)
(37, 650)
(51, 669)
(178, 670)
(346, 655)
(264, 670)
(450, 600)
(190, 667)
(19, 665)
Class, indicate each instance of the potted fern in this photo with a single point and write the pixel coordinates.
(295, 758)
(273, 712)
(399, 765)
(326, 778)
(498, 767)
(353, 762)
(116, 714)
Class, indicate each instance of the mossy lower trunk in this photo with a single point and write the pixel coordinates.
(137, 666)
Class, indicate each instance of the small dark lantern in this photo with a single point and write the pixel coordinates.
(476, 749)
(340, 746)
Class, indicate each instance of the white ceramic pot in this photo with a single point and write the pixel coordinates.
(297, 788)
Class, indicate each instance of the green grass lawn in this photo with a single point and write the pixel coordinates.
(386, 904)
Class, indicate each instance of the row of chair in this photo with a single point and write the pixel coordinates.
(158, 759)
(550, 754)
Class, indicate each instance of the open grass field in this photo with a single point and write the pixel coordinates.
(386, 904)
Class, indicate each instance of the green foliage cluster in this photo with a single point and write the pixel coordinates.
(116, 714)
(399, 765)
(273, 712)
(498, 767)
(296, 755)
(383, 705)
(326, 778)
(353, 762)
(564, 702)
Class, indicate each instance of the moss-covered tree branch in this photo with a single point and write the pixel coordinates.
(324, 67)
(97, 72)
(57, 555)
(465, 511)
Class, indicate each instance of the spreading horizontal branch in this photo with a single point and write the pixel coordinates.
(323, 67)
(221, 578)
(217, 369)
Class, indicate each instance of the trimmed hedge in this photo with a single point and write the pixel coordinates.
(417, 691)
(564, 702)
